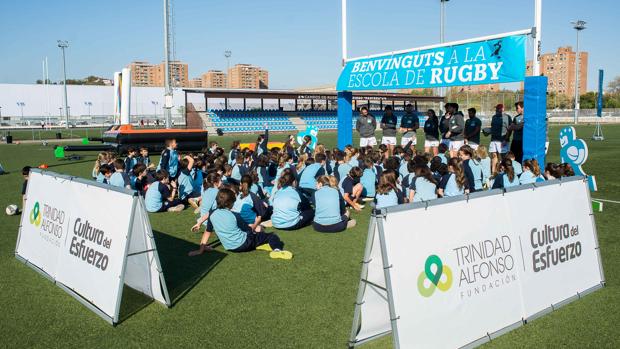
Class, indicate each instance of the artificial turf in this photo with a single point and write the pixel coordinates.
(226, 300)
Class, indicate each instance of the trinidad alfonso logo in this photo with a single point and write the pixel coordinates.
(35, 215)
(434, 276)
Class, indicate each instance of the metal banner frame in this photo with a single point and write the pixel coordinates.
(137, 200)
(376, 224)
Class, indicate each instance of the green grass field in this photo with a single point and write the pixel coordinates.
(225, 300)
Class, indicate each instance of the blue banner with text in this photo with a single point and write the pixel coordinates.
(485, 62)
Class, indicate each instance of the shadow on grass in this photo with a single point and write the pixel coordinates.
(181, 272)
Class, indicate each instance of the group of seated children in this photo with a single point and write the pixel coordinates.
(289, 188)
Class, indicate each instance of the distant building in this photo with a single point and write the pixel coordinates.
(152, 75)
(559, 68)
(142, 74)
(195, 83)
(178, 74)
(248, 76)
(214, 79)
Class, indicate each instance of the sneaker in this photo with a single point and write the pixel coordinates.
(267, 224)
(347, 213)
(280, 254)
(367, 199)
(264, 247)
(192, 202)
(351, 223)
(177, 208)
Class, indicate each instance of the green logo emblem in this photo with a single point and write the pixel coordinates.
(35, 215)
(434, 277)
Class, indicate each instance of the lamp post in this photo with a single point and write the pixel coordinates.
(578, 25)
(21, 106)
(88, 104)
(155, 104)
(227, 54)
(63, 44)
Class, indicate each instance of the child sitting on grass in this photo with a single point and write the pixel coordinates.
(160, 197)
(120, 177)
(234, 234)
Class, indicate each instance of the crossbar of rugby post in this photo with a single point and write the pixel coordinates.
(446, 44)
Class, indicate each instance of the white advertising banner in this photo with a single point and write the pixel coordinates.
(78, 233)
(462, 271)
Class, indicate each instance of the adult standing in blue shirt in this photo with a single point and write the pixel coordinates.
(473, 126)
(388, 125)
(517, 132)
(409, 124)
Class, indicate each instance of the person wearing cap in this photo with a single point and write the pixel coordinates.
(388, 125)
(472, 129)
(499, 135)
(409, 123)
(366, 126)
(516, 128)
(456, 126)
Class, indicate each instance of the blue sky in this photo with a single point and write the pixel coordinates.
(297, 41)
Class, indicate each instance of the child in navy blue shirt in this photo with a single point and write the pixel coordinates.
(161, 196)
(234, 234)
(120, 177)
(252, 209)
(352, 188)
(130, 160)
(139, 179)
(169, 160)
(188, 192)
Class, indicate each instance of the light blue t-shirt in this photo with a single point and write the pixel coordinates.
(308, 176)
(424, 189)
(244, 206)
(343, 171)
(444, 159)
(119, 179)
(450, 187)
(485, 165)
(186, 184)
(208, 201)
(527, 177)
(386, 200)
(328, 203)
(285, 208)
(153, 199)
(517, 167)
(369, 182)
(508, 183)
(225, 225)
(402, 169)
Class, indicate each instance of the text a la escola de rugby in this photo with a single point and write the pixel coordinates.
(412, 69)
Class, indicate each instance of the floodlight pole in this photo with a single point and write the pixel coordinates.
(167, 87)
(579, 26)
(64, 44)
